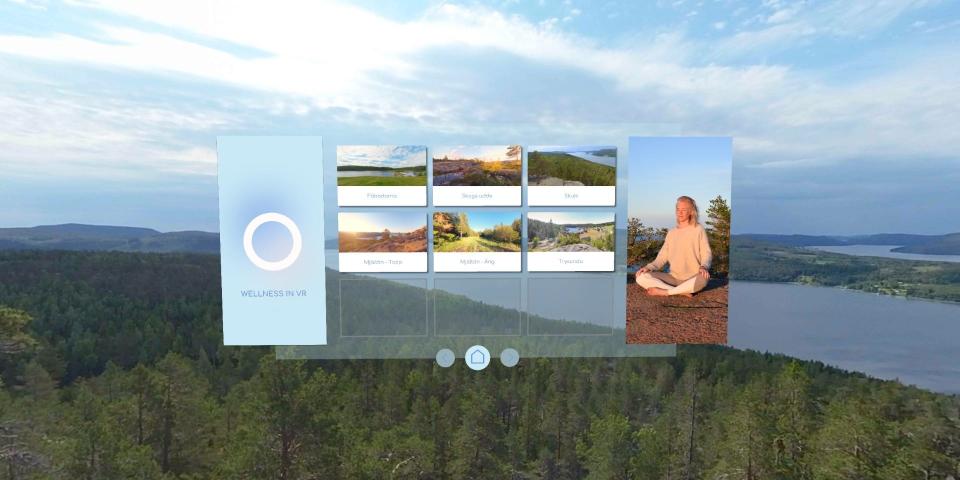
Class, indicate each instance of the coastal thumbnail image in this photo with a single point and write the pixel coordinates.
(400, 232)
(572, 166)
(381, 166)
(476, 232)
(570, 231)
(477, 166)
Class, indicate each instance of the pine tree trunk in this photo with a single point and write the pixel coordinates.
(140, 402)
(693, 421)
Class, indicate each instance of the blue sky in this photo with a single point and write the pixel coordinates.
(484, 153)
(482, 220)
(377, 221)
(664, 168)
(393, 156)
(843, 112)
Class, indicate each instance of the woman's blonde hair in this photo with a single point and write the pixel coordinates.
(693, 205)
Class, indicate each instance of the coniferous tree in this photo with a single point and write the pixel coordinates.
(748, 437)
(854, 441)
(643, 242)
(608, 448)
(38, 384)
(179, 423)
(708, 413)
(477, 441)
(649, 454)
(718, 232)
(285, 425)
(793, 408)
(21, 452)
(14, 337)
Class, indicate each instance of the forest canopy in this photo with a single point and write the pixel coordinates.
(119, 372)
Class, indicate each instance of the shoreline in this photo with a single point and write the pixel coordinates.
(850, 289)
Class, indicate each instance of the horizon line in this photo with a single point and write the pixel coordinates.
(732, 234)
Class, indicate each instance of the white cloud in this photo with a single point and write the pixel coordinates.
(549, 23)
(784, 25)
(34, 4)
(333, 67)
(781, 15)
(941, 26)
(94, 135)
(328, 56)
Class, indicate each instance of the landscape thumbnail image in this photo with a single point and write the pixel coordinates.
(381, 166)
(477, 166)
(399, 232)
(570, 232)
(572, 166)
(476, 232)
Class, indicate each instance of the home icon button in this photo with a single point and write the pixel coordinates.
(477, 357)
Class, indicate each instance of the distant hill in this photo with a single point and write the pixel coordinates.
(74, 236)
(794, 240)
(948, 244)
(943, 245)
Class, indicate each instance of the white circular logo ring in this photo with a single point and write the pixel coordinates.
(282, 220)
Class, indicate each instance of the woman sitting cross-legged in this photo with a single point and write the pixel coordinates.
(687, 250)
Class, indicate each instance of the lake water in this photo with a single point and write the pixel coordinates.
(916, 341)
(884, 251)
(608, 161)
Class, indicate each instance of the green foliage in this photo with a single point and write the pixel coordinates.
(760, 261)
(793, 413)
(477, 244)
(711, 412)
(379, 181)
(179, 417)
(96, 446)
(452, 233)
(37, 383)
(571, 168)
(477, 442)
(718, 232)
(568, 239)
(543, 230)
(502, 233)
(649, 453)
(403, 176)
(604, 242)
(128, 308)
(608, 447)
(854, 441)
(463, 226)
(283, 424)
(14, 337)
(643, 243)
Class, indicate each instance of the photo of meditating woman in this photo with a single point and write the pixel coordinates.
(686, 252)
(678, 250)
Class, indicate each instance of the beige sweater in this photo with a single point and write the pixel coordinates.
(686, 250)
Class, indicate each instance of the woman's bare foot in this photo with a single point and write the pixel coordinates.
(656, 292)
(688, 295)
